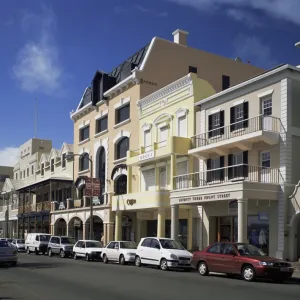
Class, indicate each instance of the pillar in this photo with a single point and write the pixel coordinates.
(190, 230)
(109, 232)
(242, 220)
(173, 170)
(157, 179)
(129, 180)
(118, 226)
(161, 220)
(83, 231)
(174, 221)
(138, 230)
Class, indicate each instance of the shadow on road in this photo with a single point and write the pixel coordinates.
(37, 265)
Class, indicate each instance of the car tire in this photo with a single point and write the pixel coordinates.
(137, 261)
(163, 265)
(62, 253)
(203, 268)
(122, 260)
(87, 257)
(248, 273)
(27, 250)
(105, 259)
(49, 252)
(75, 256)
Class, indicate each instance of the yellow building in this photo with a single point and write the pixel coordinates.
(166, 124)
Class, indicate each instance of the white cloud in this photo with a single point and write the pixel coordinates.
(242, 16)
(254, 50)
(287, 10)
(37, 65)
(9, 156)
(142, 9)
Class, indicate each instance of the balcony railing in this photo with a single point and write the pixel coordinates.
(38, 207)
(79, 203)
(241, 128)
(228, 174)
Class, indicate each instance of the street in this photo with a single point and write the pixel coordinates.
(42, 277)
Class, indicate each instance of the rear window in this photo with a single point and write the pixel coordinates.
(44, 238)
(4, 244)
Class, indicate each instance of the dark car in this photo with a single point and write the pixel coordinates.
(240, 259)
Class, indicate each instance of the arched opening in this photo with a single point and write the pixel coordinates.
(97, 228)
(122, 147)
(60, 227)
(101, 168)
(121, 185)
(76, 228)
(84, 162)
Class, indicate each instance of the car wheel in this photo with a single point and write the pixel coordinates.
(87, 257)
(49, 252)
(75, 256)
(137, 261)
(28, 251)
(202, 268)
(248, 273)
(105, 259)
(163, 264)
(122, 260)
(62, 254)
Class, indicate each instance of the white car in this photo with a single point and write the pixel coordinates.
(88, 249)
(120, 251)
(163, 252)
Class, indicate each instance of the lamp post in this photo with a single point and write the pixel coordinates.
(72, 156)
(297, 45)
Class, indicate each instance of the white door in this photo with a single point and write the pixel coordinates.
(147, 140)
(149, 180)
(267, 113)
(163, 136)
(266, 167)
(163, 177)
(182, 126)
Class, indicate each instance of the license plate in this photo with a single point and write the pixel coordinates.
(284, 269)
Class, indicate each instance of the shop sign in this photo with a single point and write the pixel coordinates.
(131, 201)
(146, 155)
(205, 197)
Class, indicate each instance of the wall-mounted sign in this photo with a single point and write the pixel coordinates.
(221, 196)
(142, 81)
(147, 155)
(131, 201)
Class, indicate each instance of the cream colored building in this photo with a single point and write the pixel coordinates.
(106, 121)
(248, 143)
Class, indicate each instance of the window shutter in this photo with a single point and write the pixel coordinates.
(246, 113)
(222, 164)
(230, 169)
(232, 118)
(208, 168)
(245, 164)
(222, 122)
(210, 126)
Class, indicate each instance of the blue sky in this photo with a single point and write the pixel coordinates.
(51, 49)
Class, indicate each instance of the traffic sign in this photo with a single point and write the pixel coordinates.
(92, 187)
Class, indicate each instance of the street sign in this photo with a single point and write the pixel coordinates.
(92, 187)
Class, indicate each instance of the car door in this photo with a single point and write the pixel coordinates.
(108, 250)
(155, 254)
(213, 258)
(228, 264)
(82, 249)
(77, 247)
(55, 244)
(115, 251)
(144, 251)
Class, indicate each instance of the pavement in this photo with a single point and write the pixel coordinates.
(47, 278)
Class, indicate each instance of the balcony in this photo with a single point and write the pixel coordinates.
(141, 200)
(242, 135)
(173, 145)
(33, 208)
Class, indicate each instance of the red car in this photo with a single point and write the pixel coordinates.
(240, 259)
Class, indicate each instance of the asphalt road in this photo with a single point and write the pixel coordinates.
(42, 277)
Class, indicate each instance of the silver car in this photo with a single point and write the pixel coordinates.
(8, 253)
(19, 244)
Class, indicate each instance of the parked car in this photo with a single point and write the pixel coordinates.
(88, 249)
(120, 251)
(37, 242)
(163, 252)
(8, 253)
(19, 244)
(62, 245)
(241, 259)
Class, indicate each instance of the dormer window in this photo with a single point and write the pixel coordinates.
(52, 165)
(63, 160)
(42, 169)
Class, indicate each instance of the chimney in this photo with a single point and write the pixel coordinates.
(180, 37)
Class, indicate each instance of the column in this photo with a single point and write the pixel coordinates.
(129, 180)
(138, 230)
(83, 231)
(157, 179)
(161, 219)
(174, 221)
(118, 225)
(190, 230)
(173, 170)
(109, 232)
(242, 220)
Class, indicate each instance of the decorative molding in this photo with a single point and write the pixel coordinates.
(181, 112)
(238, 102)
(266, 93)
(119, 172)
(146, 127)
(165, 117)
(102, 113)
(214, 111)
(82, 112)
(120, 134)
(122, 102)
(84, 150)
(84, 124)
(165, 91)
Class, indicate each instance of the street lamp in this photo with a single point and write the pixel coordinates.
(297, 45)
(72, 156)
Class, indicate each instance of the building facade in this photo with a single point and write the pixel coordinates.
(106, 119)
(247, 142)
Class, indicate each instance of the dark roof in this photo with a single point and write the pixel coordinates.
(87, 98)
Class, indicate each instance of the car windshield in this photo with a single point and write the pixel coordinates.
(21, 241)
(128, 245)
(171, 244)
(4, 244)
(67, 240)
(93, 245)
(44, 238)
(9, 240)
(249, 250)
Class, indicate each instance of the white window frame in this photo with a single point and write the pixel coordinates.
(262, 158)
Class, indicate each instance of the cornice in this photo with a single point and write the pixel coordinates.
(82, 112)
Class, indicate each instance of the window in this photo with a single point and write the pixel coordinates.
(32, 170)
(266, 159)
(111, 245)
(101, 124)
(147, 140)
(163, 177)
(146, 243)
(229, 249)
(163, 136)
(42, 169)
(155, 244)
(63, 160)
(101, 171)
(84, 162)
(27, 172)
(192, 69)
(52, 165)
(16, 176)
(239, 115)
(149, 180)
(21, 175)
(122, 148)
(216, 248)
(216, 124)
(84, 133)
(239, 161)
(121, 185)
(182, 126)
(215, 169)
(225, 82)
(123, 113)
(24, 174)
(267, 107)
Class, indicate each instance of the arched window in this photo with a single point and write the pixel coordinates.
(121, 185)
(101, 170)
(84, 162)
(122, 147)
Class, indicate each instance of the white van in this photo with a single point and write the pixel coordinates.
(37, 242)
